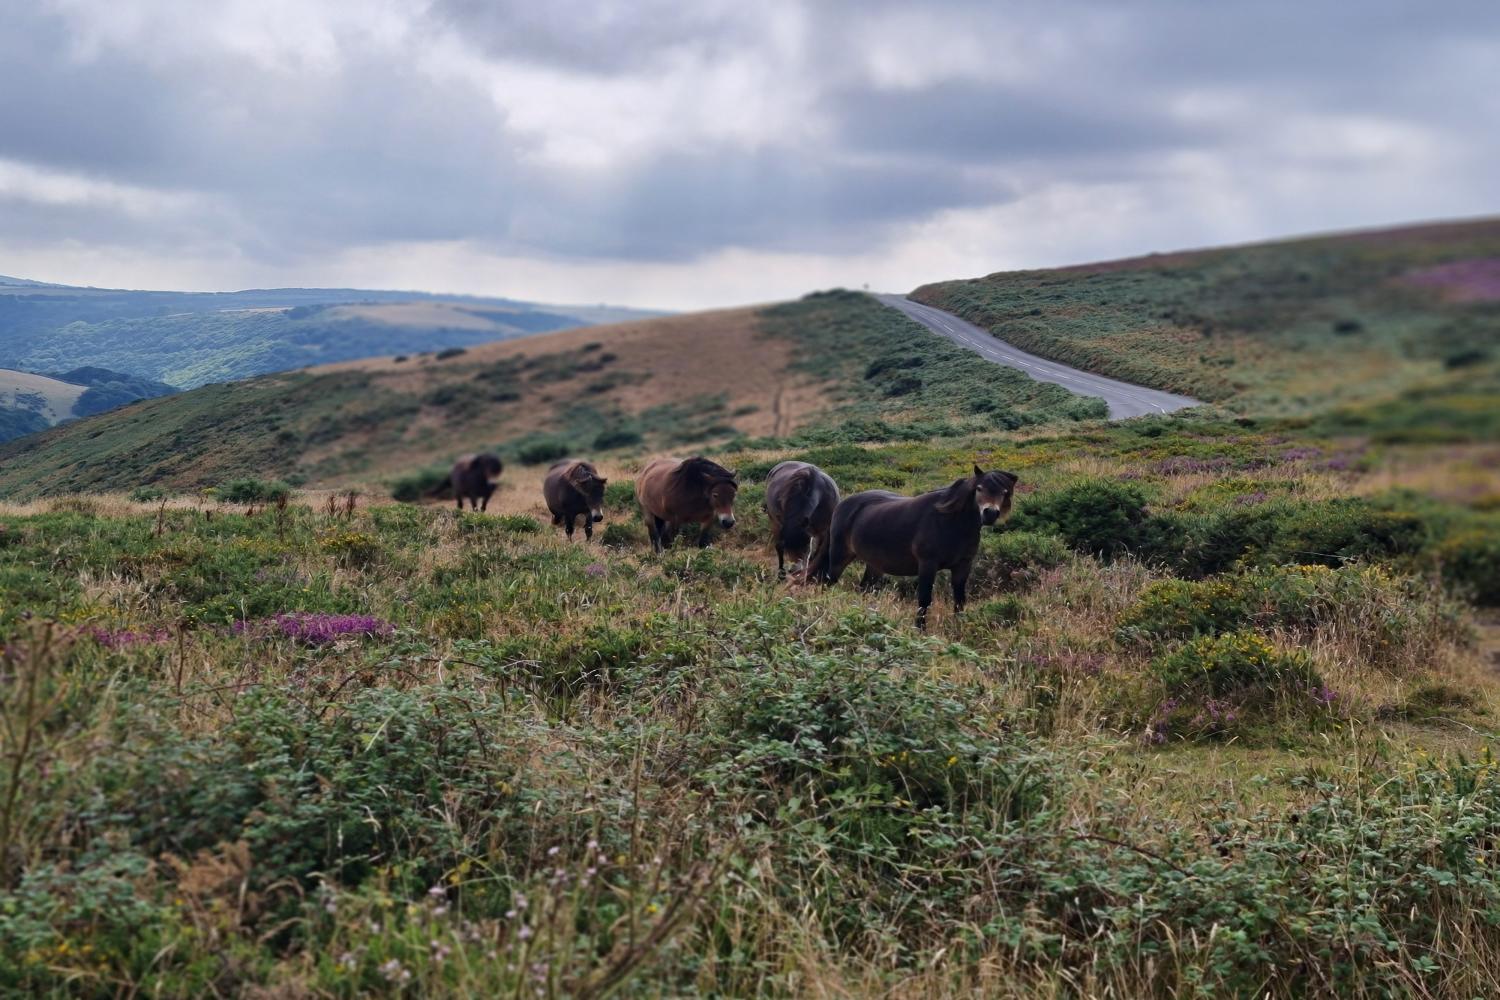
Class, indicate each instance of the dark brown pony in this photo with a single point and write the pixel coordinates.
(692, 491)
(917, 536)
(474, 478)
(573, 489)
(800, 499)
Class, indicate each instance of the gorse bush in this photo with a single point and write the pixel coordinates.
(420, 484)
(1015, 560)
(544, 450)
(1218, 684)
(253, 491)
(1095, 516)
(1471, 561)
(1384, 619)
(1326, 532)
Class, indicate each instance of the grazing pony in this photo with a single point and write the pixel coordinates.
(474, 478)
(673, 493)
(917, 536)
(573, 488)
(800, 499)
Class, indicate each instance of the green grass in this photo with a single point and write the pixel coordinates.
(507, 762)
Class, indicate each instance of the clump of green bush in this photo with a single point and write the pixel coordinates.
(250, 490)
(418, 485)
(1471, 561)
(1217, 684)
(543, 450)
(1100, 517)
(1015, 560)
(1386, 619)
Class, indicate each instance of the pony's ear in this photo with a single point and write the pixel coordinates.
(977, 471)
(602, 480)
(733, 475)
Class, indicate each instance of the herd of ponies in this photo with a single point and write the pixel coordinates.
(819, 531)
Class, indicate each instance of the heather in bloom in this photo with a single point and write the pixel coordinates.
(316, 628)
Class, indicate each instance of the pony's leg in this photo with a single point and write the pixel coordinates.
(839, 556)
(780, 560)
(568, 525)
(588, 526)
(925, 577)
(653, 528)
(960, 576)
(871, 579)
(816, 566)
(705, 535)
(458, 498)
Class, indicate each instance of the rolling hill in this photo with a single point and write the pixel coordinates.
(864, 371)
(31, 401)
(1390, 334)
(1277, 327)
(189, 339)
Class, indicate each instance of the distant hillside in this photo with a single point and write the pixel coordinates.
(1284, 327)
(30, 401)
(188, 339)
(108, 389)
(835, 367)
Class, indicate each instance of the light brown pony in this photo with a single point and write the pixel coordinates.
(691, 491)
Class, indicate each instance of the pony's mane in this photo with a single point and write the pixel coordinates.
(957, 496)
(705, 469)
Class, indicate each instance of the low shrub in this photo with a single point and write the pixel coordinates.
(617, 437)
(1380, 618)
(352, 548)
(253, 491)
(1015, 560)
(1280, 531)
(628, 533)
(1217, 684)
(544, 450)
(419, 485)
(1100, 517)
(1470, 561)
(148, 494)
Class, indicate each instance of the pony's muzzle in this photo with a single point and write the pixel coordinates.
(725, 521)
(597, 515)
(989, 515)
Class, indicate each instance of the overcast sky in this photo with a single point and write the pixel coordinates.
(684, 155)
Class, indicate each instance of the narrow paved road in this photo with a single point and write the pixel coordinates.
(1124, 400)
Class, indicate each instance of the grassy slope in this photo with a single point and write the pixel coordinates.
(792, 793)
(1287, 327)
(677, 382)
(1243, 750)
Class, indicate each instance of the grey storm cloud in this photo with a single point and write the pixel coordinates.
(819, 127)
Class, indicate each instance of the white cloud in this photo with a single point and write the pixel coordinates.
(655, 154)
